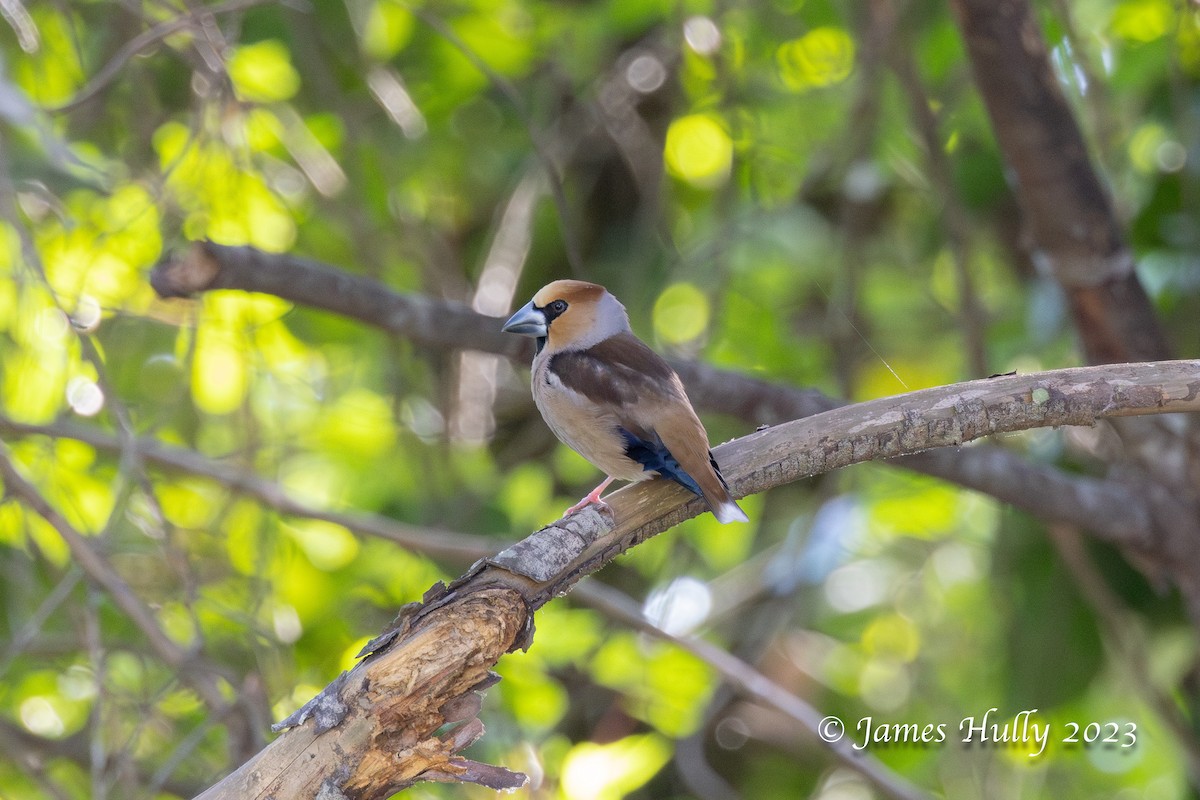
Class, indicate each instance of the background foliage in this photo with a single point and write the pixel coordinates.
(794, 190)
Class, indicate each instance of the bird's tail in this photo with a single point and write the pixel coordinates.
(720, 502)
(686, 444)
(728, 511)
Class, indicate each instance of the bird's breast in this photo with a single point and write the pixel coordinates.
(588, 428)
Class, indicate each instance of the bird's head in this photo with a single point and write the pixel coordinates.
(569, 315)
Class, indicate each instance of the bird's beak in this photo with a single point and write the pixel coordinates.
(529, 321)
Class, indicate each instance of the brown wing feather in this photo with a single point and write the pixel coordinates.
(621, 370)
(684, 436)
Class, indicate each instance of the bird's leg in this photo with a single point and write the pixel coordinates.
(593, 497)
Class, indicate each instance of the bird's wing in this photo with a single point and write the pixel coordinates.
(634, 385)
(644, 395)
(620, 371)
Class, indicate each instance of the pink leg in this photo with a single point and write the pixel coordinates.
(593, 497)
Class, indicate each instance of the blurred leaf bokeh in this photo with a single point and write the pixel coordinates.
(750, 180)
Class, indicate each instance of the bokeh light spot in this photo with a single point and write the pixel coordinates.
(263, 72)
(611, 771)
(822, 57)
(702, 35)
(85, 397)
(681, 314)
(699, 150)
(1143, 20)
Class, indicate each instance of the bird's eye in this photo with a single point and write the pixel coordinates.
(553, 310)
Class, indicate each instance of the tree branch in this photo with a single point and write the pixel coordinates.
(144, 41)
(373, 730)
(972, 316)
(102, 574)
(207, 266)
(1108, 507)
(750, 682)
(1066, 208)
(455, 547)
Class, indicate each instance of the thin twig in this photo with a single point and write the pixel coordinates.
(750, 682)
(143, 41)
(1125, 637)
(455, 547)
(101, 572)
(971, 313)
(553, 178)
(18, 18)
(857, 209)
(29, 631)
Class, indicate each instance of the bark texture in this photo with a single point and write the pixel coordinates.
(374, 730)
(1152, 497)
(1070, 219)
(1075, 235)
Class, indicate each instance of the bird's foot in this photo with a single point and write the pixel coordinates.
(584, 503)
(593, 498)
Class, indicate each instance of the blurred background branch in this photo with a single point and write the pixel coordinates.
(388, 722)
(849, 198)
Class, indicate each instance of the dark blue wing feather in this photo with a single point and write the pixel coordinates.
(655, 457)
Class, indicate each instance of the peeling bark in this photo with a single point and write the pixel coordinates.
(373, 731)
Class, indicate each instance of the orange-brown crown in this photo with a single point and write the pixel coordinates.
(592, 313)
(568, 290)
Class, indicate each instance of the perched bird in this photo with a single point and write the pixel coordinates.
(614, 400)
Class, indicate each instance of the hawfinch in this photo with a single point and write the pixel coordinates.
(614, 400)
